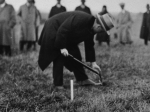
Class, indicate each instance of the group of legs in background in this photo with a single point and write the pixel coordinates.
(25, 45)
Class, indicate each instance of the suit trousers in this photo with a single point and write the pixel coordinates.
(146, 36)
(5, 50)
(70, 64)
(28, 43)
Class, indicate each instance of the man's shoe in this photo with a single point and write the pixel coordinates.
(88, 82)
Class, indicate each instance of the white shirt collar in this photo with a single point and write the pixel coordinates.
(28, 4)
(3, 5)
(82, 6)
(58, 5)
(123, 11)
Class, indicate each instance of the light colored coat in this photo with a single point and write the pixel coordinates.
(7, 22)
(29, 15)
(124, 23)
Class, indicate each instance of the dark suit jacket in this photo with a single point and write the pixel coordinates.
(145, 28)
(66, 30)
(56, 10)
(86, 9)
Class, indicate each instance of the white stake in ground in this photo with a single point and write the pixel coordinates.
(71, 86)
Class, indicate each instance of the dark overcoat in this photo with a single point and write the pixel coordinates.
(56, 10)
(86, 9)
(7, 22)
(66, 30)
(145, 28)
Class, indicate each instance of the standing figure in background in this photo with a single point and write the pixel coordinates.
(38, 23)
(83, 7)
(124, 23)
(58, 8)
(29, 15)
(145, 28)
(7, 22)
(103, 37)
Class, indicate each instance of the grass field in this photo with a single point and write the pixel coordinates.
(125, 71)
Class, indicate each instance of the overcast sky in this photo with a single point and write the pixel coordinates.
(95, 5)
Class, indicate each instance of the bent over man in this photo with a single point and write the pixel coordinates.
(61, 35)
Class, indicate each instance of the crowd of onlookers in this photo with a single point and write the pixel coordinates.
(30, 20)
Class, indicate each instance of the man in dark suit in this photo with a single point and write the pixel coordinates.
(83, 7)
(60, 37)
(145, 28)
(58, 8)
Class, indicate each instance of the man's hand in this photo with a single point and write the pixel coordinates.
(64, 52)
(95, 66)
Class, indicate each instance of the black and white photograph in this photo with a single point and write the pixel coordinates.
(74, 56)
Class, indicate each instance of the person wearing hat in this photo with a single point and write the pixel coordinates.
(145, 27)
(103, 37)
(60, 37)
(29, 17)
(58, 8)
(83, 7)
(7, 23)
(124, 22)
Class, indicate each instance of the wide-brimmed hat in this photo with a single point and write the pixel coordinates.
(106, 22)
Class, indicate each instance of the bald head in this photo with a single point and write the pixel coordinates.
(147, 6)
(58, 1)
(104, 8)
(83, 1)
(122, 5)
(31, 1)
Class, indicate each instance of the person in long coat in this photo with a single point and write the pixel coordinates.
(29, 14)
(145, 28)
(58, 8)
(103, 37)
(124, 23)
(83, 7)
(60, 36)
(7, 22)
